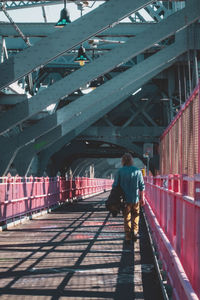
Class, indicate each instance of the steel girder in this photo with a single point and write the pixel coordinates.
(12, 99)
(46, 154)
(135, 133)
(100, 66)
(64, 113)
(134, 79)
(24, 160)
(12, 5)
(45, 29)
(130, 147)
(80, 165)
(123, 114)
(141, 109)
(75, 149)
(159, 13)
(63, 159)
(100, 165)
(77, 32)
(18, 44)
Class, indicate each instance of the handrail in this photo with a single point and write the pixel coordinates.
(20, 196)
(176, 206)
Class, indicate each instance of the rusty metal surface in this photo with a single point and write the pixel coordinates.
(76, 252)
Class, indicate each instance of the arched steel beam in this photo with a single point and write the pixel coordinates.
(100, 167)
(109, 172)
(78, 165)
(80, 149)
(81, 167)
(86, 170)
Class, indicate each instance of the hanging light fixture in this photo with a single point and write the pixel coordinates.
(64, 17)
(82, 57)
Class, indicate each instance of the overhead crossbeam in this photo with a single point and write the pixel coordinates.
(78, 149)
(44, 155)
(70, 151)
(12, 99)
(12, 5)
(134, 79)
(100, 66)
(108, 102)
(76, 109)
(140, 110)
(135, 133)
(77, 32)
(45, 29)
(159, 13)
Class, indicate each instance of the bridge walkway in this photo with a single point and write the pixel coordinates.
(76, 252)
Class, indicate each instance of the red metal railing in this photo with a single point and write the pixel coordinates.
(180, 142)
(25, 195)
(178, 217)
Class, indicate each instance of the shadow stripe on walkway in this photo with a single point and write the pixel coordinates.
(75, 252)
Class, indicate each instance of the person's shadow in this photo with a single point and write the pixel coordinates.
(125, 280)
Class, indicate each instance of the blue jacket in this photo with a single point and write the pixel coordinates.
(131, 181)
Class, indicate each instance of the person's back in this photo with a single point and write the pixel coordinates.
(131, 181)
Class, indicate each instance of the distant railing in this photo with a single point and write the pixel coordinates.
(21, 196)
(178, 216)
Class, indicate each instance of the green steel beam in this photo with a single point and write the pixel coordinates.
(13, 5)
(76, 108)
(100, 66)
(45, 29)
(78, 123)
(12, 99)
(159, 13)
(24, 159)
(75, 127)
(77, 32)
(135, 133)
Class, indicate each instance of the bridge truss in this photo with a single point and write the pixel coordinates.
(55, 112)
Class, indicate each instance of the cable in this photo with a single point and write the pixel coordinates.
(26, 40)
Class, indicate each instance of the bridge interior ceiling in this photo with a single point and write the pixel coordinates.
(60, 114)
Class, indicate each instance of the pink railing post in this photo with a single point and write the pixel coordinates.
(197, 187)
(77, 183)
(184, 185)
(70, 188)
(170, 185)
(176, 183)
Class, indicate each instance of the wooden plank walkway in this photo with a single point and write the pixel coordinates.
(76, 252)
